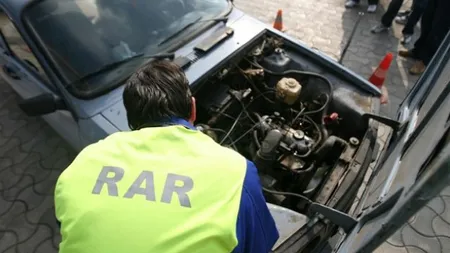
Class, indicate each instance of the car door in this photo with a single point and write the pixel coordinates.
(24, 73)
(415, 165)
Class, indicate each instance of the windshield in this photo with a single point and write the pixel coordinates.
(82, 37)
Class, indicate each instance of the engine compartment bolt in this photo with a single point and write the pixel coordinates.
(299, 135)
(354, 141)
(257, 52)
(276, 114)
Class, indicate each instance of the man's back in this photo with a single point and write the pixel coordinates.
(159, 189)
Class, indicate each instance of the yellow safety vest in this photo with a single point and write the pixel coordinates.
(161, 189)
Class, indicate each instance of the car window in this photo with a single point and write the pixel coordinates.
(83, 37)
(19, 47)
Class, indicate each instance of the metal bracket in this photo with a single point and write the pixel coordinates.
(214, 39)
(395, 125)
(382, 206)
(337, 217)
(183, 61)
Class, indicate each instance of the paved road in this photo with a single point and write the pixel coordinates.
(32, 156)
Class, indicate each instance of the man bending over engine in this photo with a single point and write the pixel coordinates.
(163, 187)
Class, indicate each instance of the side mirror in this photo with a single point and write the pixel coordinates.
(41, 105)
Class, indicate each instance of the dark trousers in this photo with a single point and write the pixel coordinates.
(434, 27)
(371, 2)
(418, 8)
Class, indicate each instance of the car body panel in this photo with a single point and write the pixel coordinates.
(90, 131)
(28, 85)
(110, 105)
(416, 165)
(88, 108)
(246, 29)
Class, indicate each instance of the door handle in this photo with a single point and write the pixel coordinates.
(10, 72)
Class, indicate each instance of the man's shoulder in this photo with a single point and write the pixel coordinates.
(251, 184)
(108, 141)
(110, 144)
(94, 155)
(256, 229)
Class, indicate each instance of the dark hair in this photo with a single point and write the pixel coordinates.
(157, 92)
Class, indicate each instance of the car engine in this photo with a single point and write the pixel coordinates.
(281, 118)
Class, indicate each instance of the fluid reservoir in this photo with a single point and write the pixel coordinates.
(288, 90)
(278, 61)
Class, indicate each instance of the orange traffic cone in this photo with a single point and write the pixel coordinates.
(380, 73)
(278, 24)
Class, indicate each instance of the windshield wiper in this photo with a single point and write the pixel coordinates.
(116, 64)
(198, 20)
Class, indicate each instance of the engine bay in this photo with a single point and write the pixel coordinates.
(294, 123)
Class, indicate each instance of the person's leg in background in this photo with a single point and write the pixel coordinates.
(373, 4)
(388, 17)
(440, 29)
(403, 13)
(434, 28)
(402, 16)
(351, 3)
(418, 9)
(425, 29)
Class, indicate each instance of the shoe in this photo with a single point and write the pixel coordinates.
(351, 3)
(379, 28)
(403, 13)
(406, 54)
(372, 8)
(406, 39)
(418, 68)
(402, 20)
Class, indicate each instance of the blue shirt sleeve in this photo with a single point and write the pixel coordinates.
(256, 230)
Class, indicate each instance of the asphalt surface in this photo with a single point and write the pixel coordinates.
(32, 156)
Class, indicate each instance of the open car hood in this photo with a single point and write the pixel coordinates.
(415, 165)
